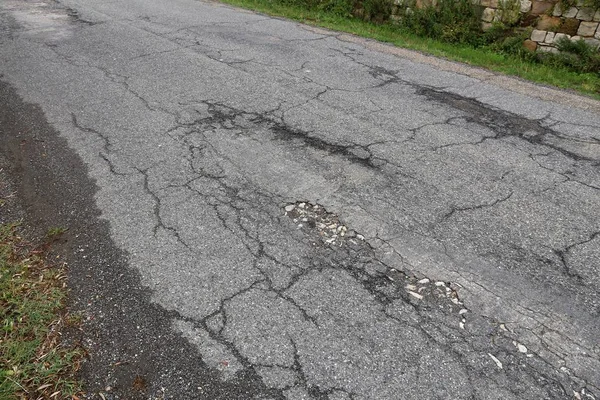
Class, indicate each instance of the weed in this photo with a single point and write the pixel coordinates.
(454, 21)
(33, 361)
(576, 55)
(377, 10)
(566, 4)
(343, 8)
(54, 232)
(510, 11)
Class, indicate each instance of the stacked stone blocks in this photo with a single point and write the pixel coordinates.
(575, 23)
(550, 19)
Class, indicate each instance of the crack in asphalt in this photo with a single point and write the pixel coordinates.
(244, 208)
(223, 117)
(227, 120)
(454, 210)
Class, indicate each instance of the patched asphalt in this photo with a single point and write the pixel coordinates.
(257, 209)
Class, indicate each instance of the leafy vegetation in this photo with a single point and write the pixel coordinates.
(566, 4)
(577, 55)
(458, 21)
(34, 363)
(453, 21)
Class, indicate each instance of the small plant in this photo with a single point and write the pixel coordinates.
(455, 21)
(342, 8)
(34, 363)
(564, 5)
(510, 11)
(54, 232)
(575, 55)
(377, 10)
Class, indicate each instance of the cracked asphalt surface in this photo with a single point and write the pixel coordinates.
(258, 209)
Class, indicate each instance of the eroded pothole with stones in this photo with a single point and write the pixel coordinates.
(327, 225)
(314, 219)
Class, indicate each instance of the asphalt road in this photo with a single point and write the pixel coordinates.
(258, 209)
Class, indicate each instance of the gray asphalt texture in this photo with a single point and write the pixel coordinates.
(258, 209)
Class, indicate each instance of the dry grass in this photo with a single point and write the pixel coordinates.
(34, 361)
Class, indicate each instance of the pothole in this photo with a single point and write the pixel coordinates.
(315, 219)
(331, 231)
(46, 20)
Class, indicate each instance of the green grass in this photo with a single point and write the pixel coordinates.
(486, 57)
(33, 362)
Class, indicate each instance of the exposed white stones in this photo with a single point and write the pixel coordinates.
(498, 362)
(416, 295)
(521, 347)
(327, 225)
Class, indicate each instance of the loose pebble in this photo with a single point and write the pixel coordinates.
(415, 295)
(463, 311)
(327, 224)
(498, 362)
(424, 281)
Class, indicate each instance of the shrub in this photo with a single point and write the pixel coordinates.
(456, 21)
(576, 55)
(342, 8)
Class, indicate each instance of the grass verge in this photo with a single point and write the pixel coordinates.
(585, 83)
(34, 363)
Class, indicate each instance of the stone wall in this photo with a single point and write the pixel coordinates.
(548, 19)
(553, 22)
